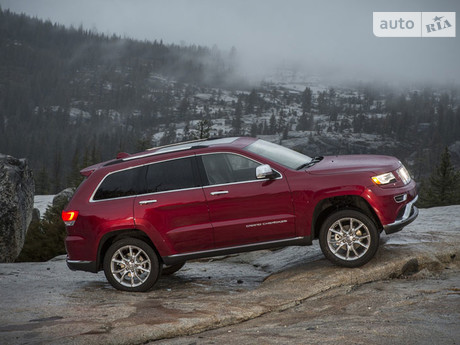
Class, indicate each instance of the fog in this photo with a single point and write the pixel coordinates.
(330, 39)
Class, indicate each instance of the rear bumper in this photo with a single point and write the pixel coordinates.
(79, 265)
(409, 215)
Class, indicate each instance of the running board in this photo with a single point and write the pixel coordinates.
(177, 258)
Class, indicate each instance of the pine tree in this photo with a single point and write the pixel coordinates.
(236, 123)
(203, 129)
(272, 128)
(42, 183)
(305, 123)
(323, 103)
(169, 136)
(251, 101)
(443, 186)
(306, 100)
(57, 166)
(74, 178)
(254, 129)
(286, 132)
(143, 143)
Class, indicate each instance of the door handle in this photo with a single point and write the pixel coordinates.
(146, 202)
(219, 192)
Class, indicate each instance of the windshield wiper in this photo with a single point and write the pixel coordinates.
(311, 163)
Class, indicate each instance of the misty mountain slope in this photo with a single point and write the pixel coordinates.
(70, 97)
(67, 90)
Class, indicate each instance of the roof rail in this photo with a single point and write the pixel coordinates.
(185, 145)
(176, 144)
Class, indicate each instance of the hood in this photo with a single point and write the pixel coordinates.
(354, 163)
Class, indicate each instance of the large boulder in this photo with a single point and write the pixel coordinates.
(63, 197)
(16, 205)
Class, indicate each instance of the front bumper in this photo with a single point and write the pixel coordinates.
(409, 215)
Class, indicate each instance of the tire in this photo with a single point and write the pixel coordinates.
(131, 265)
(349, 248)
(171, 269)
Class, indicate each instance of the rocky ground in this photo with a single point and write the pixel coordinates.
(408, 294)
(423, 308)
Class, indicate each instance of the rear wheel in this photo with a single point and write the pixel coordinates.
(349, 238)
(171, 269)
(132, 265)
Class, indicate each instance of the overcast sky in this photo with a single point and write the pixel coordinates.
(330, 38)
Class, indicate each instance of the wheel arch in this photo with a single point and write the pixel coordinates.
(111, 237)
(327, 206)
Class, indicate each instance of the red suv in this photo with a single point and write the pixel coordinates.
(143, 215)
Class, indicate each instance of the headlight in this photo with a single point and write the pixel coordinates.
(404, 175)
(384, 178)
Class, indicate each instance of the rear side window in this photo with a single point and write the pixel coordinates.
(157, 177)
(171, 175)
(121, 184)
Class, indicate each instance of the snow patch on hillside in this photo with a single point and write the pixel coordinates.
(42, 202)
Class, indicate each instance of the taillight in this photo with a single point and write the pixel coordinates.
(69, 217)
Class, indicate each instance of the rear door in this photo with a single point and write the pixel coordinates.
(244, 209)
(175, 206)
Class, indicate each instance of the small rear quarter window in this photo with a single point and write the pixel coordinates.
(122, 184)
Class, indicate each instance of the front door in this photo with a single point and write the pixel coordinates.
(242, 208)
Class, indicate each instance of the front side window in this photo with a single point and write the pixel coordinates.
(171, 175)
(224, 168)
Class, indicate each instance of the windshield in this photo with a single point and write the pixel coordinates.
(278, 154)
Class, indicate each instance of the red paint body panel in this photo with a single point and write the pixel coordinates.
(181, 221)
(84, 236)
(251, 212)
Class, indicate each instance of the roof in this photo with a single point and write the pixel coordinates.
(183, 146)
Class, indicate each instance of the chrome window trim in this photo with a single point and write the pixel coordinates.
(91, 199)
(168, 191)
(241, 182)
(147, 194)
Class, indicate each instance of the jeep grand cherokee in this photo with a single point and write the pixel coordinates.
(142, 215)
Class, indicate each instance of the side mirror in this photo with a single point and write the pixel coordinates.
(264, 171)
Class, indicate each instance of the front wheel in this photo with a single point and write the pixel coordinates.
(349, 238)
(131, 265)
